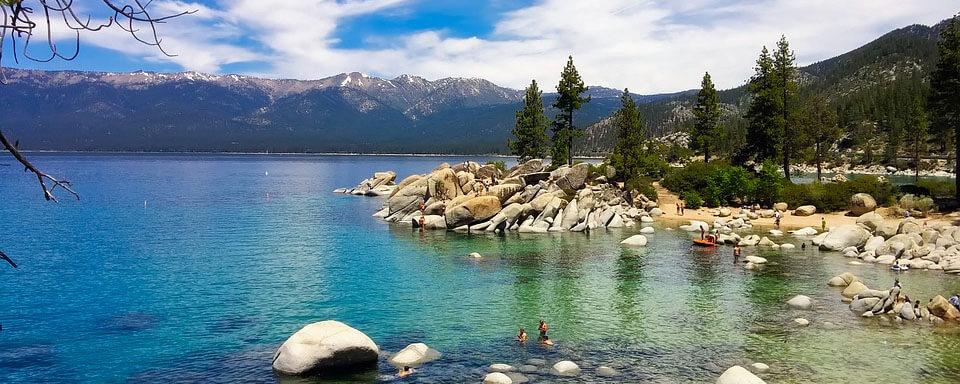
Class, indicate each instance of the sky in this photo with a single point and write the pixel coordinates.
(647, 46)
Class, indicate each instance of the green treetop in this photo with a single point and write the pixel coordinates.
(569, 99)
(707, 114)
(763, 134)
(530, 129)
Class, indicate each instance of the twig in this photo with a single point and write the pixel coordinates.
(41, 176)
(7, 259)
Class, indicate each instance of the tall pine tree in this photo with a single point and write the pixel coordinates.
(530, 128)
(631, 156)
(569, 99)
(785, 83)
(944, 100)
(707, 114)
(763, 136)
(819, 124)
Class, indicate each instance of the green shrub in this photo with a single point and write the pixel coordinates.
(938, 188)
(719, 183)
(911, 202)
(692, 200)
(642, 185)
(499, 164)
(831, 197)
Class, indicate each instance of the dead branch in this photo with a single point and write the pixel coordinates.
(7, 259)
(41, 176)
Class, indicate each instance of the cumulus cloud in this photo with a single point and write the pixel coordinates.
(648, 46)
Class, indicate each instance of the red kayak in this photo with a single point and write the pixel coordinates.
(704, 243)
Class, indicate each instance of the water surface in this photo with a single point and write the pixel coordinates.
(185, 268)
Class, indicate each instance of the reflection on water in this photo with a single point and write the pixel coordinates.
(225, 263)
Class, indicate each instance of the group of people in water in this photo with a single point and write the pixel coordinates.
(542, 339)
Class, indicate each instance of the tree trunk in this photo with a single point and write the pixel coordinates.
(706, 152)
(956, 165)
(819, 170)
(569, 139)
(786, 160)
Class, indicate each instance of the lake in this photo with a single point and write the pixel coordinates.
(194, 268)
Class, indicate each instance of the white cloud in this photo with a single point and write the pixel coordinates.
(648, 46)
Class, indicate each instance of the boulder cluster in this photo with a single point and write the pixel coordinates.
(528, 198)
(535, 367)
(908, 243)
(893, 302)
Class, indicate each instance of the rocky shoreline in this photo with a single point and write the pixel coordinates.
(942, 170)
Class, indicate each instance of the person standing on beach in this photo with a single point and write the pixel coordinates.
(823, 223)
(678, 208)
(776, 219)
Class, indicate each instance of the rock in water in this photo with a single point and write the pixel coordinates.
(501, 368)
(473, 210)
(800, 302)
(843, 236)
(738, 375)
(414, 355)
(859, 306)
(565, 368)
(801, 322)
(861, 203)
(635, 241)
(805, 210)
(325, 346)
(605, 371)
(497, 378)
(805, 231)
(942, 308)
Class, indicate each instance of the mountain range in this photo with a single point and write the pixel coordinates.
(354, 112)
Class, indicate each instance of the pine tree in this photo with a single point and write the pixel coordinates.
(819, 124)
(763, 136)
(944, 99)
(707, 114)
(530, 128)
(785, 83)
(568, 100)
(918, 135)
(631, 157)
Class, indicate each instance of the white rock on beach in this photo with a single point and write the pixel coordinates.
(843, 236)
(325, 345)
(738, 375)
(635, 241)
(646, 230)
(805, 231)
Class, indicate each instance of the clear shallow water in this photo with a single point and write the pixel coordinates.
(232, 254)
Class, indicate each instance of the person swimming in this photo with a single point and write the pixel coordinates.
(544, 339)
(405, 371)
(522, 336)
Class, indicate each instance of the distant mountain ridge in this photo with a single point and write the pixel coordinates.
(349, 112)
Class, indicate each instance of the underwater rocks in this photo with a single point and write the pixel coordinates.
(326, 346)
(738, 375)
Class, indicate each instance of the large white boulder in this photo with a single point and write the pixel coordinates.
(843, 236)
(325, 346)
(635, 241)
(805, 210)
(861, 203)
(800, 302)
(738, 375)
(805, 231)
(497, 378)
(413, 355)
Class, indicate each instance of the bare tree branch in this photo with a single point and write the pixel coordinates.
(6, 258)
(41, 177)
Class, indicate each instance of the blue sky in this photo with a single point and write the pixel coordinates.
(647, 45)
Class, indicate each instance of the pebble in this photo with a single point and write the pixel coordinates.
(606, 371)
(760, 367)
(501, 368)
(474, 255)
(801, 321)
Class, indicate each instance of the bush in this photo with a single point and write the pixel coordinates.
(642, 185)
(719, 183)
(936, 188)
(831, 197)
(692, 200)
(911, 202)
(499, 164)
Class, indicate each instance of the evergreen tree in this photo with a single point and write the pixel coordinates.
(918, 135)
(707, 118)
(530, 129)
(945, 89)
(785, 83)
(631, 156)
(763, 137)
(569, 99)
(819, 124)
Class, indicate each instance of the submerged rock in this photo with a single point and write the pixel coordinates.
(738, 375)
(800, 302)
(635, 241)
(497, 378)
(565, 368)
(325, 346)
(414, 355)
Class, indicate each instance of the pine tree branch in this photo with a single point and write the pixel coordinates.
(41, 176)
(6, 258)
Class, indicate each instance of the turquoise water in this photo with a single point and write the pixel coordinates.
(187, 268)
